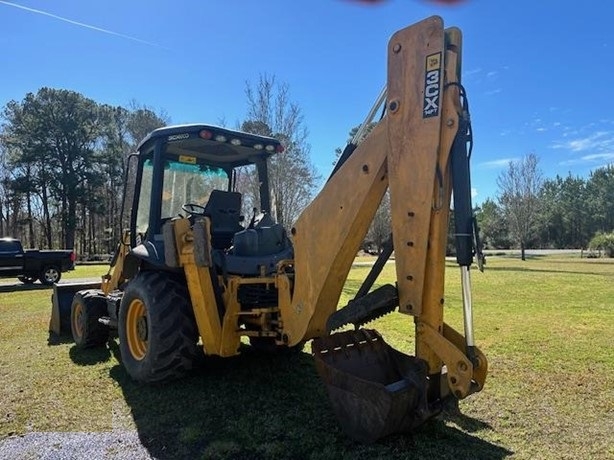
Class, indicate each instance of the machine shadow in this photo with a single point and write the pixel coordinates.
(54, 339)
(267, 406)
(90, 356)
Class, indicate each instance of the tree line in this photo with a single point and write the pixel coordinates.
(62, 166)
(532, 212)
(560, 212)
(63, 159)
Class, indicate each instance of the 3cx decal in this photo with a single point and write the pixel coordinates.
(432, 86)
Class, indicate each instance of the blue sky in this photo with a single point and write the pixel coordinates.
(539, 74)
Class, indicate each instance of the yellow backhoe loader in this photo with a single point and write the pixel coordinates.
(192, 274)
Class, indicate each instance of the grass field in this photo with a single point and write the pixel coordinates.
(546, 325)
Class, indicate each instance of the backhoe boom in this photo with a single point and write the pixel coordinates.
(419, 152)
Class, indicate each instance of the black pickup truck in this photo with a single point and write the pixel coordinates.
(33, 264)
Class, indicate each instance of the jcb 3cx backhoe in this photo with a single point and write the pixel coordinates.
(189, 277)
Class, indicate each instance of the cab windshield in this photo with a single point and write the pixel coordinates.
(185, 180)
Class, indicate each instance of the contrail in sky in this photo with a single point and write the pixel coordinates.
(80, 24)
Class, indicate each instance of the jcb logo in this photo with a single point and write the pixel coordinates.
(432, 86)
(178, 137)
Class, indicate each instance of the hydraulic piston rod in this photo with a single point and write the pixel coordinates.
(468, 312)
(464, 224)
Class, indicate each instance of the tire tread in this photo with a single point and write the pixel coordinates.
(172, 342)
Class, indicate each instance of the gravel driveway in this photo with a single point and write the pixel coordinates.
(116, 444)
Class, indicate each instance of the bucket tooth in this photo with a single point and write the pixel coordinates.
(374, 389)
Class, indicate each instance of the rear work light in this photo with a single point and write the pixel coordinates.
(258, 146)
(204, 134)
(235, 141)
(220, 138)
(270, 148)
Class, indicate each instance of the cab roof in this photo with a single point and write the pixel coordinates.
(213, 144)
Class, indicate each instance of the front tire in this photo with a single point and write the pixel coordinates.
(49, 275)
(157, 330)
(86, 309)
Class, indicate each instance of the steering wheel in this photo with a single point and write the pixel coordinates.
(193, 209)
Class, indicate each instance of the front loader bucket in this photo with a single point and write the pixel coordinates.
(61, 302)
(374, 389)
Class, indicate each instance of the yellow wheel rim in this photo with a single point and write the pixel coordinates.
(136, 329)
(78, 320)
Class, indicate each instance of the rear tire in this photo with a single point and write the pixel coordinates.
(157, 330)
(49, 275)
(86, 309)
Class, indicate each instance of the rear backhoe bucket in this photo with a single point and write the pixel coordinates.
(61, 302)
(374, 389)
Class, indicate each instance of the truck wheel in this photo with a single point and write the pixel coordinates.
(87, 308)
(157, 330)
(49, 275)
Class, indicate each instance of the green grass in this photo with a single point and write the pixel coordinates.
(546, 326)
(86, 271)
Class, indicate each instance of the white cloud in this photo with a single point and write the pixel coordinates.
(474, 192)
(599, 156)
(592, 159)
(597, 141)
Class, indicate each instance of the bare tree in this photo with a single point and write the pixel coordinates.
(292, 176)
(519, 189)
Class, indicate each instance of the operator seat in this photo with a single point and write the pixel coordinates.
(224, 210)
(258, 248)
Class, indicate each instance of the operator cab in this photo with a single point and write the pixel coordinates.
(195, 171)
